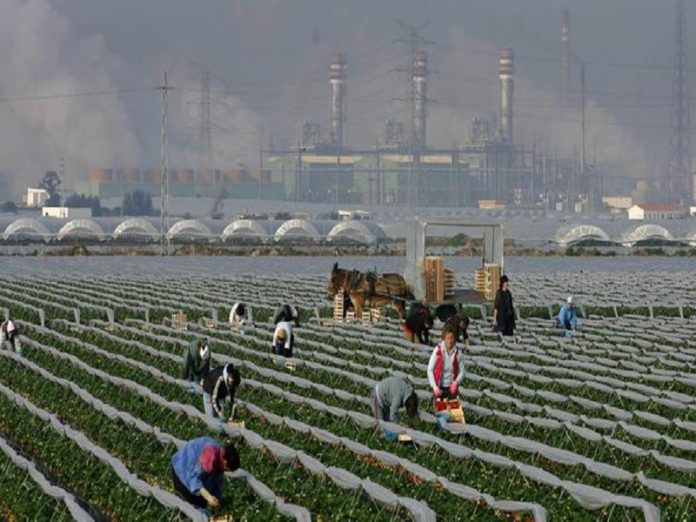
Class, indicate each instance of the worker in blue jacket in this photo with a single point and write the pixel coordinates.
(198, 471)
(568, 316)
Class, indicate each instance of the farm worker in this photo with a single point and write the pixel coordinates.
(219, 387)
(196, 362)
(568, 316)
(503, 309)
(460, 324)
(9, 336)
(286, 313)
(445, 311)
(237, 314)
(347, 304)
(283, 339)
(389, 395)
(198, 471)
(446, 366)
(418, 323)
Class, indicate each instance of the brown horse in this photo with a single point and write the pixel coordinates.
(369, 290)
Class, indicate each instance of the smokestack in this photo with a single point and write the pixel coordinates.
(565, 57)
(505, 73)
(338, 94)
(420, 86)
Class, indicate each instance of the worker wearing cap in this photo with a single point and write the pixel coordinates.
(568, 316)
(196, 362)
(283, 339)
(391, 394)
(198, 471)
(503, 309)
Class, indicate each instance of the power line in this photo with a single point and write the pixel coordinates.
(42, 97)
(164, 171)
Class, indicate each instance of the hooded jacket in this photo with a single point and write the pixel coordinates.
(391, 393)
(195, 367)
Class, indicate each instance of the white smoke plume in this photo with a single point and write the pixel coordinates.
(236, 131)
(472, 89)
(40, 56)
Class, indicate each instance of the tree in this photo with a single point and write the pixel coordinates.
(83, 201)
(137, 203)
(51, 184)
(9, 206)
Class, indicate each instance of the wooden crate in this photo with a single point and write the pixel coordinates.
(372, 315)
(338, 307)
(450, 283)
(480, 278)
(434, 271)
(179, 321)
(492, 280)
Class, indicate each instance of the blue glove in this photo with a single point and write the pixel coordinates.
(442, 419)
(391, 436)
(192, 389)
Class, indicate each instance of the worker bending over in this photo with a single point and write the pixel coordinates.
(568, 316)
(286, 313)
(196, 363)
(198, 471)
(459, 324)
(418, 323)
(219, 388)
(283, 339)
(446, 366)
(238, 314)
(9, 336)
(391, 394)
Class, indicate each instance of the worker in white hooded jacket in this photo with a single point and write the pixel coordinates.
(238, 314)
(283, 339)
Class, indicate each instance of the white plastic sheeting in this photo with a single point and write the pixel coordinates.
(419, 511)
(44, 484)
(165, 498)
(461, 451)
(386, 458)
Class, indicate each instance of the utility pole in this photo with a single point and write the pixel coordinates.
(205, 152)
(679, 176)
(417, 72)
(565, 57)
(582, 118)
(61, 176)
(164, 173)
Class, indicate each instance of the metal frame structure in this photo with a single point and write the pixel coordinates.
(416, 232)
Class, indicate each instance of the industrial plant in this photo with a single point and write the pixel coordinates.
(491, 169)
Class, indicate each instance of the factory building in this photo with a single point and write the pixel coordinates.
(403, 169)
(234, 183)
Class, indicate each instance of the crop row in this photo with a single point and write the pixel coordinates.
(276, 475)
(491, 472)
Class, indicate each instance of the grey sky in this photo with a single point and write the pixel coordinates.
(277, 72)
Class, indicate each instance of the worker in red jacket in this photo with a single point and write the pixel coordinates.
(446, 366)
